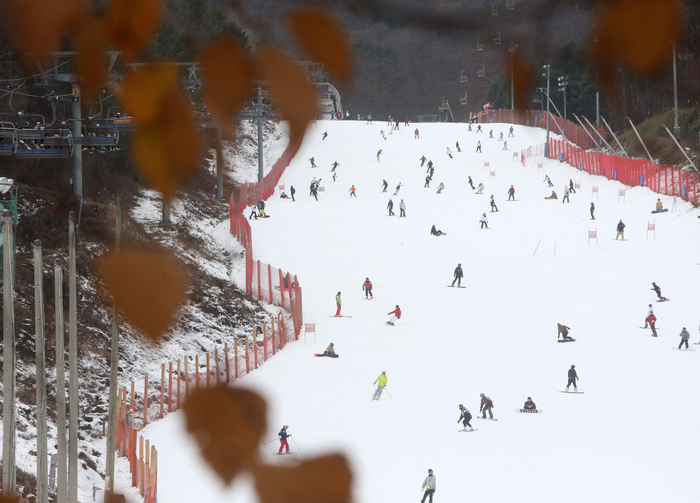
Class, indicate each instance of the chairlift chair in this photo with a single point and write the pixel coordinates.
(497, 40)
(462, 77)
(463, 101)
(511, 5)
(494, 10)
(481, 73)
(8, 138)
(479, 46)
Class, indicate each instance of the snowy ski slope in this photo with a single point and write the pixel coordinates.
(632, 436)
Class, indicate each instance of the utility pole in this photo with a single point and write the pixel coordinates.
(72, 365)
(113, 369)
(62, 466)
(42, 453)
(78, 150)
(260, 135)
(676, 126)
(219, 165)
(597, 109)
(546, 147)
(511, 50)
(563, 84)
(9, 430)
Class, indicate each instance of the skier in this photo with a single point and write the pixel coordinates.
(510, 132)
(352, 192)
(338, 302)
(330, 350)
(367, 287)
(429, 487)
(457, 145)
(396, 315)
(427, 181)
(530, 405)
(478, 129)
(430, 166)
(379, 153)
(313, 164)
(563, 332)
(435, 232)
(465, 416)
(292, 191)
(449, 152)
(511, 193)
(480, 189)
(566, 194)
(347, 115)
(592, 210)
(334, 175)
(314, 191)
(402, 209)
(478, 146)
(505, 145)
(440, 188)
(406, 121)
(398, 187)
(385, 185)
(380, 381)
(500, 137)
(491, 134)
(621, 231)
(390, 207)
(571, 186)
(650, 311)
(685, 335)
(548, 180)
(458, 275)
(469, 181)
(416, 134)
(656, 288)
(493, 204)
(573, 377)
(283, 439)
(431, 170)
(325, 133)
(334, 165)
(486, 405)
(369, 119)
(651, 319)
(253, 212)
(314, 183)
(422, 161)
(484, 221)
(389, 121)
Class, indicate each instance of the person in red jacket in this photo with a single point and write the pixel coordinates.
(367, 287)
(651, 319)
(511, 193)
(396, 315)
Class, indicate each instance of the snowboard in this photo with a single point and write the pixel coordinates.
(493, 211)
(340, 316)
(452, 286)
(467, 431)
(390, 323)
(663, 300)
(494, 419)
(647, 328)
(330, 356)
(572, 392)
(566, 340)
(529, 411)
(660, 211)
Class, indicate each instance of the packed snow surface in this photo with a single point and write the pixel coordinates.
(633, 435)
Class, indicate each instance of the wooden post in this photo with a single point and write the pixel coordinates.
(61, 440)
(146, 470)
(196, 372)
(207, 370)
(72, 364)
(179, 379)
(272, 329)
(269, 280)
(187, 380)
(9, 427)
(235, 362)
(264, 341)
(216, 366)
(162, 388)
(145, 400)
(255, 347)
(141, 465)
(170, 387)
(247, 360)
(42, 469)
(133, 392)
(228, 371)
(281, 289)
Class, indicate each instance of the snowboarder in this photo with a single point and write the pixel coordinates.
(398, 187)
(656, 288)
(659, 205)
(313, 164)
(553, 196)
(292, 191)
(314, 191)
(330, 350)
(566, 194)
(416, 134)
(548, 180)
(685, 335)
(621, 231)
(530, 405)
(573, 377)
(510, 132)
(493, 204)
(396, 315)
(430, 166)
(500, 137)
(469, 181)
(459, 274)
(480, 189)
(440, 188)
(571, 186)
(390, 207)
(283, 439)
(422, 161)
(380, 381)
(478, 146)
(379, 153)
(427, 181)
(486, 405)
(385, 185)
(334, 165)
(449, 152)
(651, 320)
(338, 303)
(369, 119)
(649, 312)
(253, 212)
(505, 145)
(478, 129)
(402, 209)
(367, 287)
(592, 210)
(435, 232)
(261, 208)
(429, 487)
(465, 416)
(352, 192)
(284, 196)
(457, 146)
(334, 175)
(484, 221)
(406, 121)
(511, 193)
(491, 134)
(563, 332)
(313, 184)
(325, 133)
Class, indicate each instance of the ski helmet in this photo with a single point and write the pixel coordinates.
(331, 344)
(573, 366)
(383, 371)
(286, 426)
(481, 394)
(461, 406)
(397, 306)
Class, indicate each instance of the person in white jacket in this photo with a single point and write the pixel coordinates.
(650, 311)
(480, 189)
(402, 209)
(429, 487)
(484, 221)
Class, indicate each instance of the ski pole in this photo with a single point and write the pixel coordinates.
(270, 441)
(387, 391)
(295, 442)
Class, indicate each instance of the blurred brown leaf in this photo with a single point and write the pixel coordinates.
(522, 81)
(148, 286)
(294, 96)
(132, 23)
(636, 33)
(92, 60)
(39, 26)
(324, 39)
(143, 92)
(228, 424)
(327, 479)
(229, 75)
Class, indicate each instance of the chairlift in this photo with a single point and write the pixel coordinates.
(8, 138)
(479, 46)
(462, 77)
(497, 40)
(43, 143)
(481, 73)
(463, 101)
(511, 5)
(494, 10)
(444, 107)
(95, 134)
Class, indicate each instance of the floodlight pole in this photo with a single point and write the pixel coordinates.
(546, 148)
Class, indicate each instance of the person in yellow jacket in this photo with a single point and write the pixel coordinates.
(381, 383)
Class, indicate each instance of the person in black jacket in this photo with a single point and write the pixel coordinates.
(292, 191)
(656, 288)
(385, 184)
(390, 207)
(620, 231)
(573, 377)
(283, 439)
(458, 275)
(465, 417)
(436, 232)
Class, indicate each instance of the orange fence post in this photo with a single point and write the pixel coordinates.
(207, 370)
(255, 347)
(281, 289)
(259, 289)
(247, 361)
(162, 388)
(145, 400)
(235, 361)
(170, 387)
(187, 380)
(269, 280)
(140, 465)
(228, 375)
(272, 330)
(196, 372)
(179, 379)
(216, 365)
(264, 341)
